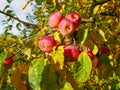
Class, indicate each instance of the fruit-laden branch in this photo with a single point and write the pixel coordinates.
(26, 23)
(36, 25)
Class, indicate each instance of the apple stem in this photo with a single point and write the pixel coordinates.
(83, 20)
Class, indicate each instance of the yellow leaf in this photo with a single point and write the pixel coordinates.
(25, 5)
(102, 34)
(95, 10)
(58, 56)
(57, 37)
(27, 51)
(54, 2)
(95, 49)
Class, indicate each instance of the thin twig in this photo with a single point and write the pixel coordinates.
(26, 23)
(27, 3)
(18, 51)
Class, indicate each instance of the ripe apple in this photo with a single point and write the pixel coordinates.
(8, 63)
(91, 55)
(46, 43)
(54, 19)
(104, 50)
(71, 53)
(66, 27)
(75, 18)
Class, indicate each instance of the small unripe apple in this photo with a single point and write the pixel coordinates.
(54, 19)
(46, 43)
(75, 18)
(104, 50)
(8, 63)
(71, 53)
(91, 55)
(66, 27)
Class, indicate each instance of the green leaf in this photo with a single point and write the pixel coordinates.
(8, 87)
(83, 67)
(39, 2)
(50, 78)
(9, 1)
(67, 86)
(104, 59)
(9, 11)
(7, 6)
(110, 21)
(35, 73)
(84, 36)
(3, 55)
(118, 71)
(18, 26)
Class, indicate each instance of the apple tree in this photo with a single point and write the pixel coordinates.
(75, 45)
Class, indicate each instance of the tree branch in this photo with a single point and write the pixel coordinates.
(26, 23)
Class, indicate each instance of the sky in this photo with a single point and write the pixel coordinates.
(16, 6)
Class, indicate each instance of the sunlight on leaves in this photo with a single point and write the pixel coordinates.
(67, 86)
(58, 56)
(83, 68)
(35, 72)
(95, 49)
(102, 34)
(96, 8)
(27, 51)
(57, 37)
(84, 36)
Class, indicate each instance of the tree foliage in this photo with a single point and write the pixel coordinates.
(100, 25)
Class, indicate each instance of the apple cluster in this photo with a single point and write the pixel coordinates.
(66, 26)
(71, 52)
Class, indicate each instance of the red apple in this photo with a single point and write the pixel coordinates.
(104, 50)
(8, 63)
(71, 53)
(26, 85)
(75, 18)
(66, 27)
(54, 19)
(91, 55)
(46, 43)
